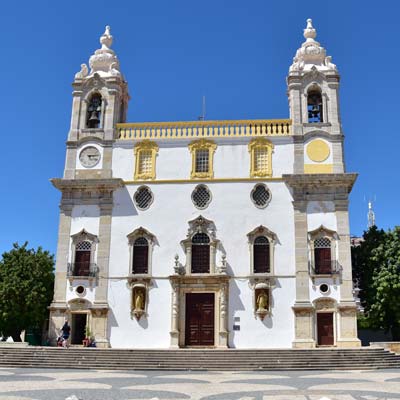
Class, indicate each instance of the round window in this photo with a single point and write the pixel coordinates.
(201, 197)
(143, 198)
(324, 288)
(260, 195)
(80, 290)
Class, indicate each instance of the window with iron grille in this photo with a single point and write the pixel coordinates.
(201, 197)
(202, 157)
(200, 253)
(140, 256)
(322, 256)
(83, 252)
(260, 196)
(145, 161)
(143, 198)
(261, 160)
(261, 255)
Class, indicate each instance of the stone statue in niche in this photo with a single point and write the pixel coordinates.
(262, 301)
(139, 301)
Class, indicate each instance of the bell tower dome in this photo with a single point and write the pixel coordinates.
(313, 91)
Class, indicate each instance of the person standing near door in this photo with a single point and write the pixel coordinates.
(66, 331)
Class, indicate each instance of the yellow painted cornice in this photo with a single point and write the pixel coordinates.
(210, 180)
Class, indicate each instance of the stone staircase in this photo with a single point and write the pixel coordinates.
(199, 359)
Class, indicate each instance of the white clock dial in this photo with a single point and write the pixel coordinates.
(89, 157)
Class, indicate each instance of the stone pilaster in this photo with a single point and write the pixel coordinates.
(175, 316)
(103, 252)
(303, 309)
(58, 307)
(223, 316)
(337, 157)
(347, 310)
(63, 245)
(99, 327)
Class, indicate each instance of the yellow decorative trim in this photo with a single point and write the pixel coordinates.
(263, 144)
(202, 144)
(204, 129)
(318, 168)
(318, 150)
(215, 180)
(145, 145)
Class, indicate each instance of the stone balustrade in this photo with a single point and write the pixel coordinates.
(204, 129)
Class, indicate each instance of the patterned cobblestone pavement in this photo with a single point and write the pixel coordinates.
(45, 384)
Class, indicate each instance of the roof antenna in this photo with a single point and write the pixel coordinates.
(371, 214)
(202, 117)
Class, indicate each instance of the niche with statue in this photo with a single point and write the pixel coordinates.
(262, 300)
(139, 300)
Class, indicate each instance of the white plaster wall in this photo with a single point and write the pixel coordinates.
(89, 144)
(276, 330)
(89, 294)
(321, 213)
(334, 289)
(231, 159)
(150, 331)
(234, 216)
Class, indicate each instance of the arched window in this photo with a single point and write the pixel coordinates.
(140, 256)
(94, 111)
(261, 255)
(322, 255)
(314, 106)
(83, 251)
(200, 253)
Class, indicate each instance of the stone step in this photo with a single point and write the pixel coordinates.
(199, 359)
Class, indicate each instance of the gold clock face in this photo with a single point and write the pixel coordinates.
(89, 157)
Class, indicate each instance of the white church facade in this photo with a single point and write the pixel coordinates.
(205, 233)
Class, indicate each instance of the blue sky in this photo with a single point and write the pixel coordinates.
(236, 53)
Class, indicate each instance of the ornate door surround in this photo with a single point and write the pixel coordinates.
(183, 284)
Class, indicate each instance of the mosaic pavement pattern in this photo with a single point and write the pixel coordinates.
(46, 384)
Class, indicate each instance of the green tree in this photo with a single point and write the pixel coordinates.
(26, 289)
(364, 265)
(384, 308)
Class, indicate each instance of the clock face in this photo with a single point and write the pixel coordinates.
(89, 157)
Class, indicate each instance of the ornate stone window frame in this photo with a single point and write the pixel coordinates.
(265, 145)
(272, 238)
(151, 239)
(196, 189)
(76, 238)
(323, 232)
(145, 145)
(202, 144)
(200, 225)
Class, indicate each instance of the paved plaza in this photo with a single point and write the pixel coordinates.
(46, 384)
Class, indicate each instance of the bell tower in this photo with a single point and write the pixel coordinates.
(313, 86)
(100, 101)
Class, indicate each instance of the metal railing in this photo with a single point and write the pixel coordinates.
(204, 129)
(330, 267)
(82, 270)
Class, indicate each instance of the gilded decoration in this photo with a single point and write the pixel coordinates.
(260, 150)
(197, 146)
(145, 169)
